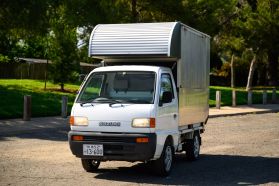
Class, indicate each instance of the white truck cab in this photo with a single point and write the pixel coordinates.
(141, 106)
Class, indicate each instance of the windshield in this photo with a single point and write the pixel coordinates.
(119, 87)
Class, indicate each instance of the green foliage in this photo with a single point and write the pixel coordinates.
(4, 59)
(21, 21)
(235, 26)
(258, 24)
(253, 28)
(26, 17)
(63, 52)
(34, 47)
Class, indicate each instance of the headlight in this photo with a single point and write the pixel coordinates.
(144, 123)
(78, 121)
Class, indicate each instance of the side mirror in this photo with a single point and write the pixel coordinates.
(166, 98)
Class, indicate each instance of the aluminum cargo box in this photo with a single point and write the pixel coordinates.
(160, 44)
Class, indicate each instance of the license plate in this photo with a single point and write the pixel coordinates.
(93, 150)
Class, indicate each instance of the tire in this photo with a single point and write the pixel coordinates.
(90, 165)
(163, 165)
(193, 148)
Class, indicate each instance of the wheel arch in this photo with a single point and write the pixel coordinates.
(161, 141)
(170, 138)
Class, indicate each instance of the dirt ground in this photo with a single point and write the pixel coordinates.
(236, 150)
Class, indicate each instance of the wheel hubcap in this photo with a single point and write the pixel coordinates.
(196, 146)
(168, 158)
(94, 162)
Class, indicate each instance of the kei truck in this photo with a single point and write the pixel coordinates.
(147, 100)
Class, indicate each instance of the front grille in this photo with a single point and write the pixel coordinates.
(118, 150)
(109, 139)
(113, 147)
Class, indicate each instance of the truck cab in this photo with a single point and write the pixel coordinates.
(129, 108)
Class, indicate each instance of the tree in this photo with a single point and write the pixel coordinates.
(255, 23)
(228, 40)
(235, 26)
(260, 28)
(63, 49)
(269, 10)
(21, 20)
(230, 44)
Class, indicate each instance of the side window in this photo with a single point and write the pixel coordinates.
(166, 85)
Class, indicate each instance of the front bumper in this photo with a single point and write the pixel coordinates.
(117, 146)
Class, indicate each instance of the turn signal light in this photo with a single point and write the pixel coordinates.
(72, 120)
(77, 138)
(142, 140)
(152, 123)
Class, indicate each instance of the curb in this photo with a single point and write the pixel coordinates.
(244, 113)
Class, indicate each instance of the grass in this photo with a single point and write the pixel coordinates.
(48, 102)
(44, 102)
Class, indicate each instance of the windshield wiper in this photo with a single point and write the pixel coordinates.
(117, 101)
(114, 101)
(96, 100)
(139, 101)
(83, 103)
(110, 101)
(103, 100)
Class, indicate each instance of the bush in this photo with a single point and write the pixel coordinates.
(4, 59)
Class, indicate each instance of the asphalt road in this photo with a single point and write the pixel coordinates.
(236, 150)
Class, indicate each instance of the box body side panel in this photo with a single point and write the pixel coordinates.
(193, 77)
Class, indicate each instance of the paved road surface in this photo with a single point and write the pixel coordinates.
(235, 150)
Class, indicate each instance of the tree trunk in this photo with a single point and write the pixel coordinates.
(134, 11)
(251, 74)
(62, 86)
(272, 68)
(46, 73)
(232, 72)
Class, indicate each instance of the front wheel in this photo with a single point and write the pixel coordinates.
(90, 165)
(164, 164)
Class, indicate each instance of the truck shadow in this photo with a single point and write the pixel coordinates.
(209, 170)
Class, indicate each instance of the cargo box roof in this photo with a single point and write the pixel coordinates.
(135, 40)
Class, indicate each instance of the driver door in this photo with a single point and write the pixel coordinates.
(167, 117)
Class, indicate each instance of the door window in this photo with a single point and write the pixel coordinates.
(166, 85)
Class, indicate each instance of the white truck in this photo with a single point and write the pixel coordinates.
(147, 101)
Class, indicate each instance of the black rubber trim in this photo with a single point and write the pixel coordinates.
(117, 146)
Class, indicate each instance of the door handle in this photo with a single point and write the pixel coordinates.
(175, 116)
